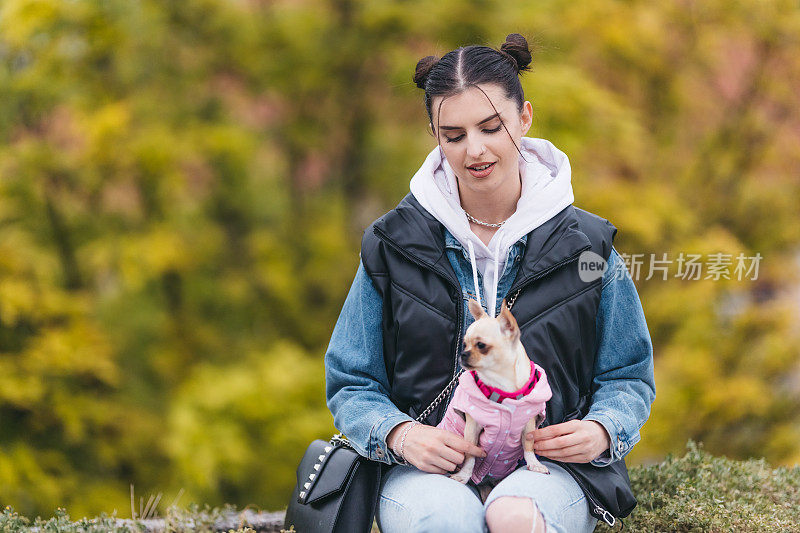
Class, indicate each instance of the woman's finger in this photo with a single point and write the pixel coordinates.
(444, 464)
(569, 447)
(457, 443)
(451, 455)
(561, 453)
(553, 431)
(557, 443)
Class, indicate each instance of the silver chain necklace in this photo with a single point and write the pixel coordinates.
(482, 223)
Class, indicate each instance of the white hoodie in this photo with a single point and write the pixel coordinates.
(546, 191)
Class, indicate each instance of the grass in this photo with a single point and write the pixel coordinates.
(701, 492)
(177, 520)
(693, 493)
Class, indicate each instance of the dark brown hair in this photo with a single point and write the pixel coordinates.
(469, 66)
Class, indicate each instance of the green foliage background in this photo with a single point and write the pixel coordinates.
(183, 187)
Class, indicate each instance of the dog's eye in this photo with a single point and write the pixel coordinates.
(480, 345)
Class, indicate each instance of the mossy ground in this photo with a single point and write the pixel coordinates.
(701, 492)
(176, 520)
(693, 493)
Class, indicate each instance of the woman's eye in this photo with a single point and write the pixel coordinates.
(456, 139)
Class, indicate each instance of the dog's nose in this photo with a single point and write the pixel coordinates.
(465, 354)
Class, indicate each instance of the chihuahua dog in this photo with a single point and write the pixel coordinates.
(499, 399)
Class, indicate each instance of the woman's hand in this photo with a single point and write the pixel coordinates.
(431, 449)
(576, 441)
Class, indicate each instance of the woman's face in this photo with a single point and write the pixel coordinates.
(471, 134)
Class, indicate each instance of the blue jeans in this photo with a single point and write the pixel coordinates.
(413, 501)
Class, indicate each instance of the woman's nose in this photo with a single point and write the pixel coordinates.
(475, 147)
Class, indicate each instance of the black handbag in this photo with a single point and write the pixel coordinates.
(336, 491)
(337, 488)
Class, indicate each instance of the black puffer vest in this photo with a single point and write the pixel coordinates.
(403, 253)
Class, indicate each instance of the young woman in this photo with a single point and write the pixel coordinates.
(491, 207)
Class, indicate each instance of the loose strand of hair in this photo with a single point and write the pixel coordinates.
(501, 120)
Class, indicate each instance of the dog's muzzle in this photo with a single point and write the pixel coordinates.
(465, 358)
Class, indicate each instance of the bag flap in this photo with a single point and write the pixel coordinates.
(609, 484)
(324, 470)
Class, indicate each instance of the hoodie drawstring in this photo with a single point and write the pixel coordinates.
(494, 292)
(474, 271)
(493, 305)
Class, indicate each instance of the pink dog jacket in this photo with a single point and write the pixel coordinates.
(503, 423)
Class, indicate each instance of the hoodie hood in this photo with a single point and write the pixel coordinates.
(546, 191)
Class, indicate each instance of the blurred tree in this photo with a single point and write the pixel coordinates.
(687, 132)
(183, 187)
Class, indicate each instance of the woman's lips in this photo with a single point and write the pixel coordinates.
(482, 173)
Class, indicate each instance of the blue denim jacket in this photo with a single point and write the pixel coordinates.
(357, 386)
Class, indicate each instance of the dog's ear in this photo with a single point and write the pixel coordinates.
(508, 324)
(476, 309)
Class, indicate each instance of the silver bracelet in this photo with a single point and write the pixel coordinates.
(394, 448)
(403, 439)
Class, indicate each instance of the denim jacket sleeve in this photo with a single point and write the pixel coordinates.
(357, 387)
(623, 385)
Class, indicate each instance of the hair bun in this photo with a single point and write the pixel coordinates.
(517, 47)
(424, 67)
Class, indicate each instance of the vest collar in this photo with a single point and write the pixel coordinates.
(416, 233)
(555, 242)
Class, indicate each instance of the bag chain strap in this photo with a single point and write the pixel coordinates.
(340, 439)
(510, 302)
(436, 401)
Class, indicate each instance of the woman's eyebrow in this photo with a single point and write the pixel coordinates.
(487, 119)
